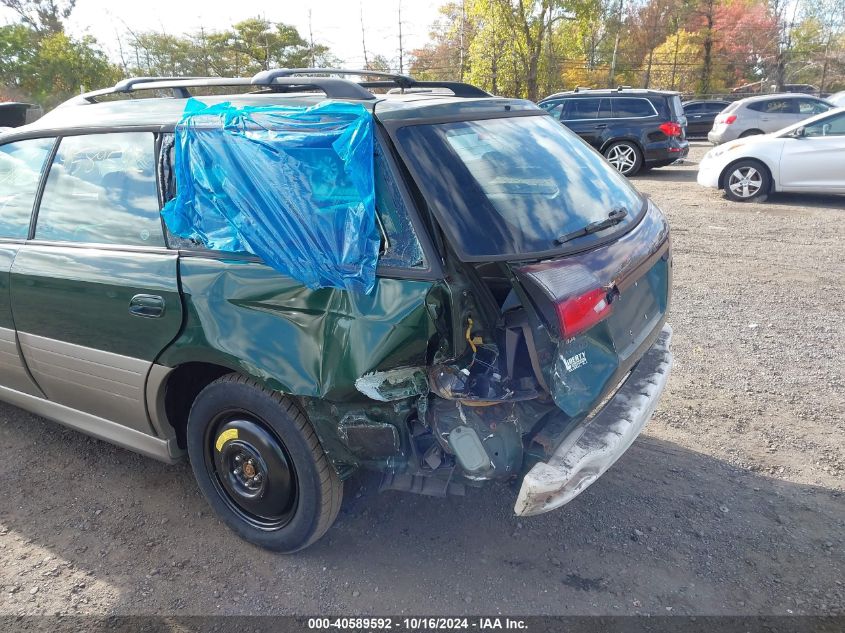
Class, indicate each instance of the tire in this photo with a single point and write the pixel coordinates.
(748, 133)
(746, 180)
(625, 156)
(260, 466)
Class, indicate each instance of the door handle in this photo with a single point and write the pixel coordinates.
(147, 306)
(601, 126)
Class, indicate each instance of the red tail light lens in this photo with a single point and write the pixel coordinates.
(670, 128)
(578, 314)
(727, 120)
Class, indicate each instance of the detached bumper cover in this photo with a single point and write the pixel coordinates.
(596, 444)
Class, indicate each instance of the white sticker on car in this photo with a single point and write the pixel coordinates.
(574, 362)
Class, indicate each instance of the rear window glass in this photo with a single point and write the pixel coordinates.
(676, 106)
(626, 107)
(510, 186)
(20, 172)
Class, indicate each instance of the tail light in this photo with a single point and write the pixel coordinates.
(578, 314)
(727, 120)
(670, 128)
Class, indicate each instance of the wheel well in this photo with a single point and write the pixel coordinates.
(752, 132)
(183, 386)
(729, 166)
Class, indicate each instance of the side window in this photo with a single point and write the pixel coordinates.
(582, 109)
(400, 247)
(693, 108)
(555, 109)
(809, 106)
(716, 108)
(630, 108)
(831, 126)
(21, 164)
(778, 106)
(605, 109)
(102, 189)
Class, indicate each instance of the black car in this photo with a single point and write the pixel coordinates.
(701, 114)
(14, 114)
(634, 129)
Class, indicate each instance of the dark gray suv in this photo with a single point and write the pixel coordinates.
(633, 129)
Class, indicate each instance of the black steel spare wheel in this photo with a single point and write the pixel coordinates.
(260, 466)
(252, 470)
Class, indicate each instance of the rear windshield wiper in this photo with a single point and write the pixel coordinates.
(613, 218)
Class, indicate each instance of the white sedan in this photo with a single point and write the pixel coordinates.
(808, 156)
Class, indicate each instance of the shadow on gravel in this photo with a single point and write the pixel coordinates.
(666, 530)
(818, 201)
(671, 173)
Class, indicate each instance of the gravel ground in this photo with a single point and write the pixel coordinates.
(730, 503)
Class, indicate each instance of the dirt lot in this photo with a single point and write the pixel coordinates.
(731, 503)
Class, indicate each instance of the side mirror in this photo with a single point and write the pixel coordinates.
(799, 132)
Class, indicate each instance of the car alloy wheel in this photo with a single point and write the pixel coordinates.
(745, 182)
(251, 469)
(623, 157)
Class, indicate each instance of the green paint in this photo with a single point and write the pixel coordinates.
(314, 343)
(82, 295)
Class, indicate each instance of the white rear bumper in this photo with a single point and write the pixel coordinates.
(597, 443)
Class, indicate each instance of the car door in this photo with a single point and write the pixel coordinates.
(813, 162)
(21, 166)
(94, 293)
(696, 125)
(581, 116)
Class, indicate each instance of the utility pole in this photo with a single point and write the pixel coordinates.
(463, 26)
(311, 40)
(494, 60)
(612, 76)
(401, 50)
(364, 40)
(675, 23)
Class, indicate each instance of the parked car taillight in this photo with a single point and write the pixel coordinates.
(727, 120)
(578, 314)
(670, 128)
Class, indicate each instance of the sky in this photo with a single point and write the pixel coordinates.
(335, 23)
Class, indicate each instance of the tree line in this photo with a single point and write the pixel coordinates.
(532, 48)
(527, 48)
(40, 62)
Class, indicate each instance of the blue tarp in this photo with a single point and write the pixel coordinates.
(293, 186)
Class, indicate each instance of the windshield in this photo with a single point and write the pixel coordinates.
(511, 186)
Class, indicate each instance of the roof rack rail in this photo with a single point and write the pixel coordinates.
(284, 80)
(387, 80)
(127, 85)
(620, 88)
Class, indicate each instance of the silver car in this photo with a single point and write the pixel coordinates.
(764, 114)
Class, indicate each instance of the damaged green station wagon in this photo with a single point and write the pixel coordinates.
(301, 278)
